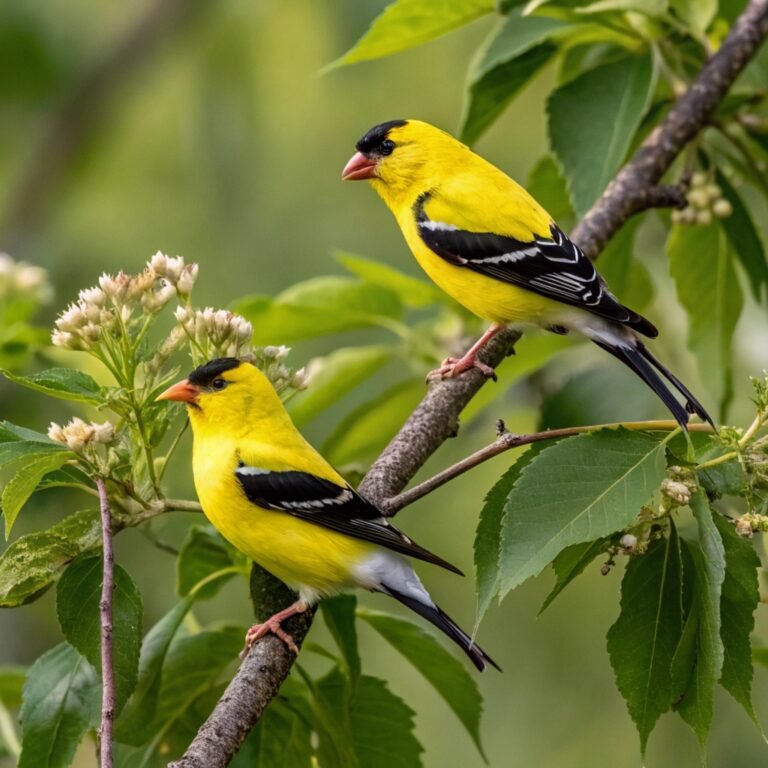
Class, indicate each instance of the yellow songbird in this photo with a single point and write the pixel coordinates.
(275, 498)
(487, 243)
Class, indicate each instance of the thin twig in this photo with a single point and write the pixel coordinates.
(508, 440)
(105, 611)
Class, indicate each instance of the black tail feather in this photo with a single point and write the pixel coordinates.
(447, 625)
(643, 363)
(692, 404)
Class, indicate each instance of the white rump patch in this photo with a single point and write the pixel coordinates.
(384, 568)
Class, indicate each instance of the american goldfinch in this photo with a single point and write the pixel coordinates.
(275, 498)
(487, 243)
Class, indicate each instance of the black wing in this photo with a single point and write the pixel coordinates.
(333, 506)
(554, 266)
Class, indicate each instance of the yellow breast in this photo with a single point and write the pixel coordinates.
(485, 297)
(306, 557)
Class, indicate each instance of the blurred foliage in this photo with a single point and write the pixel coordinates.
(225, 146)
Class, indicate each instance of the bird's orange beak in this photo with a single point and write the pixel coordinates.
(182, 392)
(359, 167)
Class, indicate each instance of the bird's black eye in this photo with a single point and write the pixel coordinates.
(387, 147)
(218, 384)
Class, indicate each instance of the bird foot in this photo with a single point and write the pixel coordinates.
(452, 367)
(273, 626)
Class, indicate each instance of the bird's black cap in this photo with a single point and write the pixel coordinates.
(372, 140)
(204, 374)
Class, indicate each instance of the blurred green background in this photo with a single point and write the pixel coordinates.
(223, 144)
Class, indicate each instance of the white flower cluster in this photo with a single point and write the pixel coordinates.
(217, 332)
(100, 309)
(17, 278)
(77, 434)
(269, 359)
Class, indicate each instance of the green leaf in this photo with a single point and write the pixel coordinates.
(62, 699)
(708, 558)
(570, 563)
(642, 642)
(193, 665)
(626, 276)
(78, 595)
(511, 56)
(592, 120)
(203, 553)
(11, 683)
(648, 7)
(317, 307)
(622, 396)
(488, 534)
(707, 286)
(740, 598)
(24, 483)
(360, 436)
(760, 655)
(62, 383)
(697, 14)
(412, 291)
(547, 185)
(339, 616)
(192, 669)
(443, 670)
(26, 451)
(745, 239)
(375, 726)
(11, 433)
(335, 375)
(131, 727)
(584, 487)
(408, 23)
(30, 564)
(141, 707)
(282, 738)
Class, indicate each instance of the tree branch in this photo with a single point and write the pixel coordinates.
(74, 122)
(105, 612)
(626, 194)
(256, 683)
(436, 418)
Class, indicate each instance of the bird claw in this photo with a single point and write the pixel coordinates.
(270, 626)
(452, 367)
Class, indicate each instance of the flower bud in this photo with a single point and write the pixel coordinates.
(91, 332)
(186, 280)
(56, 432)
(628, 542)
(173, 267)
(71, 319)
(103, 433)
(698, 198)
(93, 296)
(699, 179)
(300, 379)
(159, 264)
(722, 208)
(676, 491)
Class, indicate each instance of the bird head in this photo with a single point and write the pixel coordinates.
(226, 394)
(402, 158)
